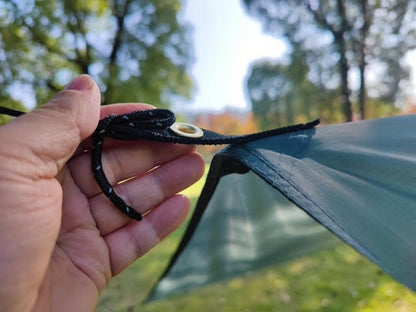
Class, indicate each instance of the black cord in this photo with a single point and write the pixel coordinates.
(10, 112)
(154, 125)
(150, 120)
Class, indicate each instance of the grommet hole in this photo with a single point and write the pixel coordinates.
(186, 129)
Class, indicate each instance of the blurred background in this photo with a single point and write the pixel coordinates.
(234, 66)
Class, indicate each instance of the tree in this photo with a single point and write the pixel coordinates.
(339, 37)
(137, 50)
(282, 94)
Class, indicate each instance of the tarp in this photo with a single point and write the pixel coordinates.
(356, 179)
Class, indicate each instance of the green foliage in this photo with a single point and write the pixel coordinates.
(343, 39)
(137, 50)
(282, 94)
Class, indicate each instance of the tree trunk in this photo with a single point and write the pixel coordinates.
(121, 11)
(362, 97)
(345, 88)
(338, 32)
(362, 93)
(343, 62)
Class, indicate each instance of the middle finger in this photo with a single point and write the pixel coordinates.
(123, 162)
(147, 191)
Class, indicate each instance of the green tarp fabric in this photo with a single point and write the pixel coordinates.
(233, 238)
(356, 179)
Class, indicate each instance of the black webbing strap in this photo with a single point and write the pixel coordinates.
(154, 125)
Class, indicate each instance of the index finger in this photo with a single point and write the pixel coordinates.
(117, 109)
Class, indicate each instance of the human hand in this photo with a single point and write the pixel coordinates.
(61, 239)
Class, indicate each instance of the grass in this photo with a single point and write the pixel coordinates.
(338, 279)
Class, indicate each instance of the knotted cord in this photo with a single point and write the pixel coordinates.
(154, 125)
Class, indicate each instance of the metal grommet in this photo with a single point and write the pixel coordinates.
(187, 130)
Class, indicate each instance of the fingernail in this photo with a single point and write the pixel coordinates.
(82, 83)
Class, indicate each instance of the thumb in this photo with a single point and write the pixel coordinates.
(47, 137)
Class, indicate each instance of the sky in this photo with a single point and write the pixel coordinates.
(225, 42)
